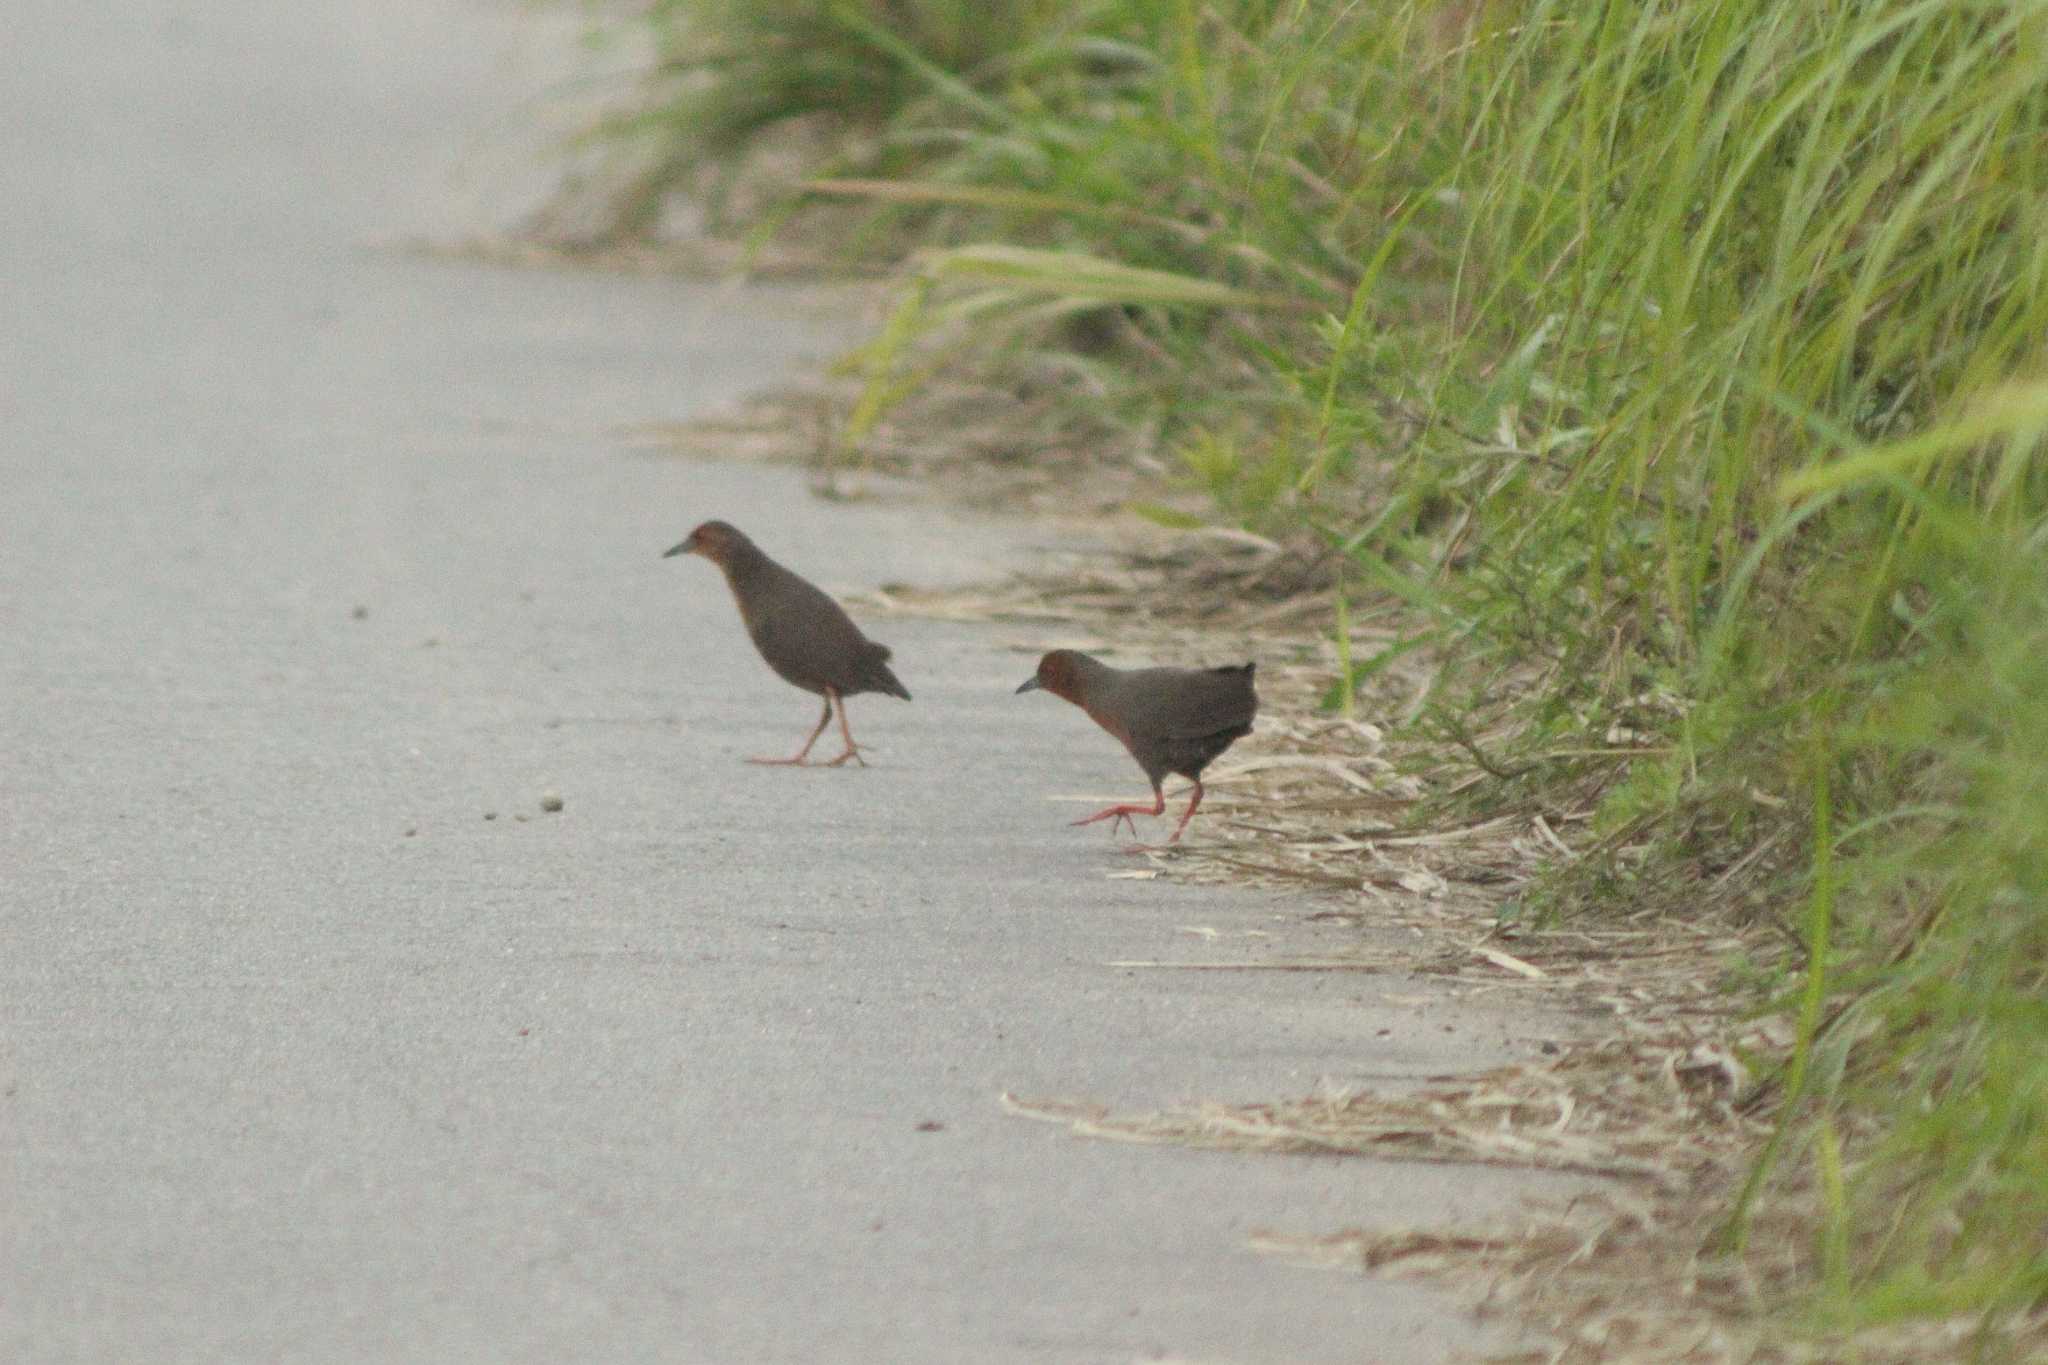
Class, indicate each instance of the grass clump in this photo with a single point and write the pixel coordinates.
(1678, 370)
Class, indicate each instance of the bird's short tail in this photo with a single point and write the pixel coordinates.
(875, 674)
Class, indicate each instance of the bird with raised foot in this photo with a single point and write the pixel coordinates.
(1173, 720)
(806, 637)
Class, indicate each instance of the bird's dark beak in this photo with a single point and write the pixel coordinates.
(1028, 685)
(681, 549)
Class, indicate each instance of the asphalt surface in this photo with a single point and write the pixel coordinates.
(314, 555)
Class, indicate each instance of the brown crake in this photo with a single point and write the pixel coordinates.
(1173, 720)
(806, 637)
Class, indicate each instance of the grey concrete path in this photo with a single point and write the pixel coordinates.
(304, 1059)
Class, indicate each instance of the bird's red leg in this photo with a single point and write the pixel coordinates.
(852, 750)
(816, 730)
(1187, 814)
(1117, 814)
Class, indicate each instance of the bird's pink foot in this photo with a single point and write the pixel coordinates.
(1121, 815)
(796, 760)
(845, 733)
(1187, 814)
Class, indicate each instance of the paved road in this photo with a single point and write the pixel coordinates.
(302, 1058)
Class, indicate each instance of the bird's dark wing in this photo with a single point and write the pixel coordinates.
(1196, 703)
(1177, 719)
(808, 638)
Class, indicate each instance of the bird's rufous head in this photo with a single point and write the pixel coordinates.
(715, 540)
(1058, 673)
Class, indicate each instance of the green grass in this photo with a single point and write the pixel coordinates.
(1678, 366)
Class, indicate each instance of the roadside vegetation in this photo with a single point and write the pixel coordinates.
(1677, 374)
